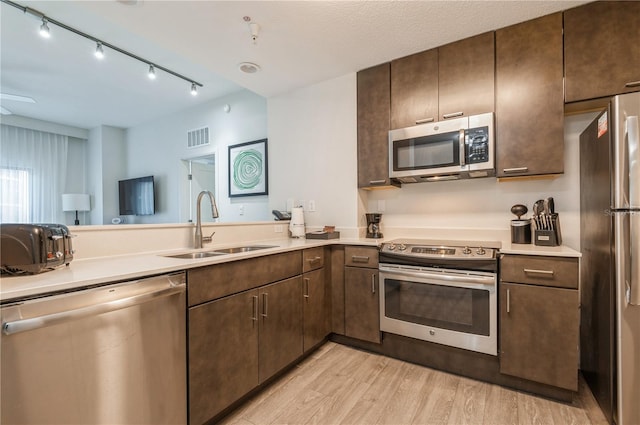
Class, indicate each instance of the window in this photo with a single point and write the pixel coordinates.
(15, 194)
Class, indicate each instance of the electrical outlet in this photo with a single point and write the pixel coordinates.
(312, 206)
(241, 209)
(278, 228)
(381, 205)
(301, 204)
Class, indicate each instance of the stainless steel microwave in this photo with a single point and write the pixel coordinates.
(454, 149)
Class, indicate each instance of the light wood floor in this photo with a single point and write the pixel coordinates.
(342, 385)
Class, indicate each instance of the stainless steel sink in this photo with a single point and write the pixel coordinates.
(195, 255)
(239, 249)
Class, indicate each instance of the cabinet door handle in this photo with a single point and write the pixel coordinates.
(515, 170)
(306, 287)
(374, 182)
(373, 283)
(508, 301)
(632, 84)
(545, 272)
(264, 304)
(453, 115)
(255, 308)
(424, 120)
(359, 259)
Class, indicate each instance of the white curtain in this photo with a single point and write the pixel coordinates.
(34, 162)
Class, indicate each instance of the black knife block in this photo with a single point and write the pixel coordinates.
(552, 237)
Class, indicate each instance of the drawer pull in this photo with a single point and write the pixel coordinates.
(424, 120)
(516, 170)
(375, 182)
(313, 260)
(545, 272)
(359, 259)
(632, 84)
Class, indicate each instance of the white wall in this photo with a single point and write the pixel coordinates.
(158, 148)
(312, 151)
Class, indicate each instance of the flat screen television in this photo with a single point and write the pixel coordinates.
(137, 196)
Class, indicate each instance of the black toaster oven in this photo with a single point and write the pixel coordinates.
(34, 248)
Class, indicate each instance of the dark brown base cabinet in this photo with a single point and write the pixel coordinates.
(361, 297)
(315, 309)
(539, 320)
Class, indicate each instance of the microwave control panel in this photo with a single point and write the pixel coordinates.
(477, 145)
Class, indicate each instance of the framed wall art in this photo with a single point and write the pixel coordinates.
(248, 169)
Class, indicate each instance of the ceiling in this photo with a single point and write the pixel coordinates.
(299, 43)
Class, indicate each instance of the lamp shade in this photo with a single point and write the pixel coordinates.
(76, 202)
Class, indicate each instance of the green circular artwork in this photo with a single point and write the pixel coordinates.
(247, 169)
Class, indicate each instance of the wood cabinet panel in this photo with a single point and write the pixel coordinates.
(337, 289)
(208, 283)
(361, 256)
(316, 318)
(560, 272)
(223, 354)
(529, 98)
(539, 334)
(602, 49)
(280, 326)
(466, 77)
(373, 103)
(312, 258)
(362, 304)
(414, 89)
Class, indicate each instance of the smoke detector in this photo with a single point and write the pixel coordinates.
(248, 67)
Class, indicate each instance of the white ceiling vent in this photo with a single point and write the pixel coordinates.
(198, 137)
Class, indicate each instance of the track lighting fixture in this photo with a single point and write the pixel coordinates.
(99, 51)
(44, 29)
(100, 45)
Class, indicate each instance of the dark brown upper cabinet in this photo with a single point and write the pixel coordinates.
(448, 82)
(602, 49)
(529, 98)
(466, 77)
(373, 105)
(414, 89)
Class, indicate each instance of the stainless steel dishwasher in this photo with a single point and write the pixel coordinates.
(113, 354)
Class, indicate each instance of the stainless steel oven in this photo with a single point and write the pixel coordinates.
(440, 293)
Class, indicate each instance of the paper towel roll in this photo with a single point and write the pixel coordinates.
(296, 225)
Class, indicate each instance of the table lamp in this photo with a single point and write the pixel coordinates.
(76, 202)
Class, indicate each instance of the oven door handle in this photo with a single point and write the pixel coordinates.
(462, 281)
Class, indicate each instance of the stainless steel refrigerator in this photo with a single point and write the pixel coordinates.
(610, 272)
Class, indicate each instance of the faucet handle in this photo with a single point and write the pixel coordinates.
(208, 238)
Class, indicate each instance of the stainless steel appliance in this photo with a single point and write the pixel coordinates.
(610, 272)
(440, 292)
(34, 248)
(446, 150)
(373, 225)
(113, 354)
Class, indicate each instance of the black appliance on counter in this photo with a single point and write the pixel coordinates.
(34, 248)
(373, 225)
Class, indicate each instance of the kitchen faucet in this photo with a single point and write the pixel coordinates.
(198, 238)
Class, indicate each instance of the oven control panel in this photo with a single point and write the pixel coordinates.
(438, 251)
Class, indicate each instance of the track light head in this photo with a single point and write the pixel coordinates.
(194, 89)
(99, 51)
(44, 29)
(152, 72)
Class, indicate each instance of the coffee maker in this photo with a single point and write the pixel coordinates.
(373, 225)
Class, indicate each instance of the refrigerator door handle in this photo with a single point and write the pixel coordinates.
(633, 284)
(633, 136)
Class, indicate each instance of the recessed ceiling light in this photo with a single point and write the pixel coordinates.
(249, 67)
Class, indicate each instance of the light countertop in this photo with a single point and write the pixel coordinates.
(96, 271)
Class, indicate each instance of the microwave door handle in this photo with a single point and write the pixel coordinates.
(462, 152)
